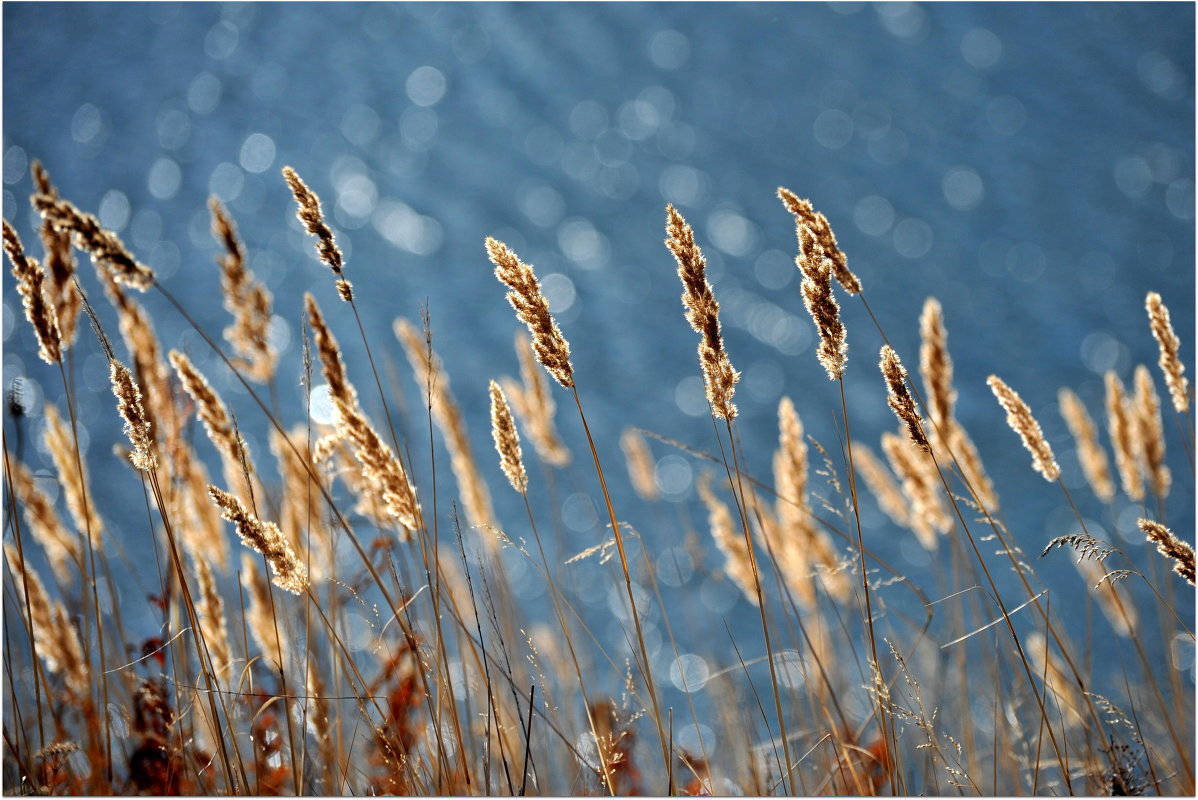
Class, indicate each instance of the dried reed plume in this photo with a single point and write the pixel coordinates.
(210, 609)
(31, 285)
(532, 309)
(108, 252)
(137, 425)
(899, 398)
(833, 351)
(1169, 545)
(60, 264)
(329, 352)
(533, 403)
(881, 482)
(55, 638)
(300, 508)
(970, 463)
(928, 516)
(1147, 412)
(61, 546)
(806, 215)
(1170, 361)
(935, 366)
(310, 215)
(703, 313)
(384, 475)
(246, 299)
(1095, 465)
(1122, 430)
(507, 440)
(265, 538)
(476, 499)
(641, 469)
(203, 531)
(1020, 418)
(72, 475)
(260, 617)
(728, 539)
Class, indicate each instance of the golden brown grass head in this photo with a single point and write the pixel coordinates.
(1095, 465)
(737, 565)
(1124, 437)
(641, 469)
(533, 402)
(329, 352)
(210, 609)
(928, 516)
(899, 397)
(936, 366)
(265, 538)
(61, 546)
(60, 263)
(1171, 546)
(246, 299)
(1170, 361)
(833, 351)
(385, 476)
(703, 313)
(137, 424)
(105, 247)
(55, 637)
(1146, 410)
(310, 215)
(550, 346)
(806, 215)
(507, 440)
(72, 475)
(31, 285)
(1020, 418)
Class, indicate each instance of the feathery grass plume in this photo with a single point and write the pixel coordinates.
(106, 249)
(805, 214)
(899, 398)
(533, 403)
(234, 452)
(265, 538)
(329, 353)
(1122, 430)
(935, 365)
(320, 714)
(928, 516)
(793, 537)
(1115, 607)
(1146, 409)
(1170, 361)
(881, 482)
(1171, 546)
(310, 215)
(551, 348)
(703, 313)
(382, 472)
(137, 425)
(203, 534)
(56, 639)
(833, 351)
(31, 285)
(728, 539)
(641, 468)
(1057, 678)
(72, 475)
(301, 513)
(210, 609)
(1020, 418)
(507, 440)
(246, 299)
(60, 264)
(1095, 465)
(970, 463)
(476, 500)
(61, 546)
(260, 618)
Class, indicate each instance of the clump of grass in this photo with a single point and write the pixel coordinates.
(399, 657)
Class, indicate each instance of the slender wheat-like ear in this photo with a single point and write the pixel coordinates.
(703, 313)
(806, 215)
(1090, 454)
(550, 346)
(1146, 410)
(260, 617)
(1169, 545)
(1170, 361)
(641, 469)
(833, 351)
(329, 352)
(935, 366)
(899, 397)
(246, 299)
(507, 440)
(210, 609)
(31, 285)
(56, 640)
(1020, 418)
(137, 424)
(72, 476)
(1124, 438)
(60, 263)
(723, 530)
(105, 247)
(533, 402)
(62, 546)
(310, 215)
(265, 538)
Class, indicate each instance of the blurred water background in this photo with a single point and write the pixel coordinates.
(1031, 165)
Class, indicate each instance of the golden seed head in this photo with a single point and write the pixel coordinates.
(507, 440)
(899, 398)
(1020, 418)
(1170, 361)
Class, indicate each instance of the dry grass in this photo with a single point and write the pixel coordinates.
(424, 644)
